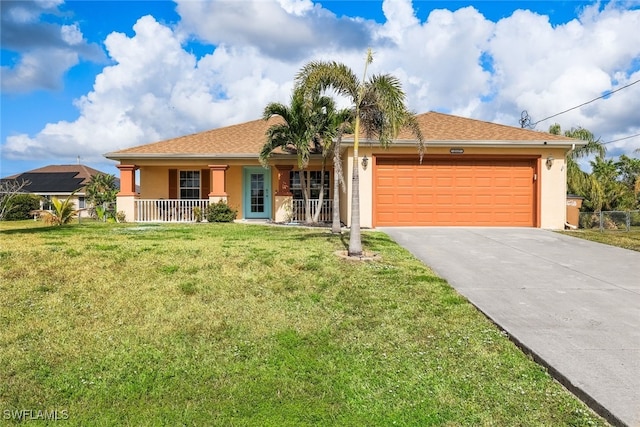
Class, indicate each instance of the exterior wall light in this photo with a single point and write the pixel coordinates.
(365, 162)
(549, 162)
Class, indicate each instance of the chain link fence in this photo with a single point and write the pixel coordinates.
(610, 220)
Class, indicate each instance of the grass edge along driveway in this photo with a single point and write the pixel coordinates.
(234, 324)
(622, 239)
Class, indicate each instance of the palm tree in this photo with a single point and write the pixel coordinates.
(578, 181)
(629, 175)
(299, 132)
(609, 192)
(378, 105)
(101, 191)
(331, 126)
(62, 213)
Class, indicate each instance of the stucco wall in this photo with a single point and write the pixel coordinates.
(234, 188)
(154, 182)
(553, 191)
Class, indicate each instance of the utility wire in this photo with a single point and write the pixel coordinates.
(621, 139)
(585, 103)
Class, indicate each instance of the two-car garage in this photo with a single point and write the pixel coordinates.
(455, 191)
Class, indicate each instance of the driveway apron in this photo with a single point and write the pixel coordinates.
(573, 304)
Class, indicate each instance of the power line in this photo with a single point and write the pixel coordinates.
(621, 139)
(526, 121)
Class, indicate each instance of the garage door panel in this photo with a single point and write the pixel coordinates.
(385, 199)
(424, 181)
(483, 192)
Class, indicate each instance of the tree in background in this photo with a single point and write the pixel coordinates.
(629, 172)
(21, 206)
(578, 181)
(101, 192)
(379, 110)
(608, 192)
(9, 189)
(610, 185)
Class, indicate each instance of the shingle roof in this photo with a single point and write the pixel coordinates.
(241, 139)
(56, 178)
(246, 139)
(445, 127)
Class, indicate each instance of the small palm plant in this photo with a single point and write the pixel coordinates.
(62, 213)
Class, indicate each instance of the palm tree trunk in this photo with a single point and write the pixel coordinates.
(355, 239)
(305, 183)
(316, 214)
(335, 225)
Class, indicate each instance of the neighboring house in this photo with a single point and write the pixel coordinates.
(58, 181)
(473, 173)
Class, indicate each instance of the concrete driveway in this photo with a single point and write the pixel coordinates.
(573, 304)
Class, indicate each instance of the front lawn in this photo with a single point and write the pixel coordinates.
(209, 324)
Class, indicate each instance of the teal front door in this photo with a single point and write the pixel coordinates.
(257, 193)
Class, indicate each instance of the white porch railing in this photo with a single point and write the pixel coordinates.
(326, 210)
(168, 210)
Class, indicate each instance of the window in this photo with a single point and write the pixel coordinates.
(296, 186)
(46, 203)
(189, 184)
(81, 203)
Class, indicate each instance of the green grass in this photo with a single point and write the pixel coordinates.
(623, 239)
(231, 324)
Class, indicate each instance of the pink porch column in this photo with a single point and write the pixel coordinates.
(127, 180)
(218, 183)
(126, 199)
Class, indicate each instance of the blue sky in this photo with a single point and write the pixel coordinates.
(83, 78)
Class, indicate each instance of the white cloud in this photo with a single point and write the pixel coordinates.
(455, 61)
(45, 50)
(296, 7)
(42, 68)
(71, 34)
(284, 30)
(157, 90)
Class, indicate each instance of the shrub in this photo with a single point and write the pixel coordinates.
(197, 213)
(21, 205)
(221, 212)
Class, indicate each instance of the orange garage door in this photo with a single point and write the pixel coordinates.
(458, 191)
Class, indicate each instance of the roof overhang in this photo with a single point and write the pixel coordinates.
(567, 144)
(56, 193)
(179, 156)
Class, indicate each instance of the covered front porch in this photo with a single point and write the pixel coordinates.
(177, 210)
(167, 193)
